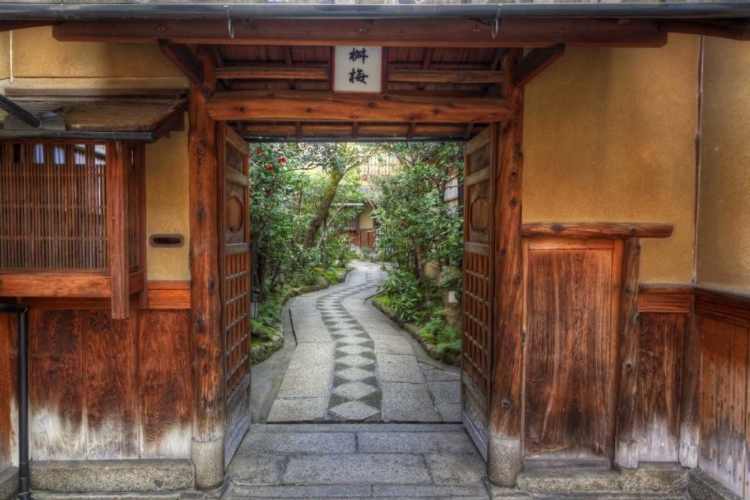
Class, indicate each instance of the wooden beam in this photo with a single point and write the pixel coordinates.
(734, 29)
(272, 73)
(326, 106)
(626, 442)
(505, 452)
(440, 76)
(185, 60)
(205, 301)
(362, 130)
(599, 230)
(118, 168)
(56, 284)
(426, 61)
(535, 62)
(424, 32)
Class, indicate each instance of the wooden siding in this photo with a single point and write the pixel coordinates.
(98, 390)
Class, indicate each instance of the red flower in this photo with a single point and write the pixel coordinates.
(269, 167)
(258, 151)
(282, 160)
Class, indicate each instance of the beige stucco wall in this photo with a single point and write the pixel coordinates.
(167, 199)
(41, 61)
(724, 205)
(365, 218)
(609, 136)
(4, 55)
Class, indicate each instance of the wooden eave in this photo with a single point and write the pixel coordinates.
(150, 117)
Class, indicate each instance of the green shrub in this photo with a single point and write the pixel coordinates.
(438, 332)
(405, 294)
(334, 275)
(268, 318)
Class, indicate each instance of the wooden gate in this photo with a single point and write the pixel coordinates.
(234, 263)
(478, 291)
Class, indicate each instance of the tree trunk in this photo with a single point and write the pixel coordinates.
(321, 214)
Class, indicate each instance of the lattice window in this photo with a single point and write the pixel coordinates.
(476, 318)
(236, 312)
(53, 206)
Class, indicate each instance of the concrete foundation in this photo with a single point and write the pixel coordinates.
(112, 476)
(8, 483)
(504, 461)
(208, 459)
(701, 486)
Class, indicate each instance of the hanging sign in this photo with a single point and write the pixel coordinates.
(358, 69)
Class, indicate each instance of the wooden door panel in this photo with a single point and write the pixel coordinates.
(478, 284)
(235, 286)
(570, 350)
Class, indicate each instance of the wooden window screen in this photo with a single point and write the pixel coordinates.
(53, 206)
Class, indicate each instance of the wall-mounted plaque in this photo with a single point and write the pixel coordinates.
(358, 69)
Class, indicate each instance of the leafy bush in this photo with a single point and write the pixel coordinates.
(438, 332)
(268, 318)
(334, 275)
(405, 293)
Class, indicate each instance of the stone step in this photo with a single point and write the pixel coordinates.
(658, 479)
(106, 496)
(8, 483)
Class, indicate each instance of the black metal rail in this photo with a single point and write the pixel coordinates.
(23, 397)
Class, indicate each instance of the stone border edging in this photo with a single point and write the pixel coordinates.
(413, 330)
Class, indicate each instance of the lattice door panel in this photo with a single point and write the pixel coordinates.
(478, 289)
(236, 285)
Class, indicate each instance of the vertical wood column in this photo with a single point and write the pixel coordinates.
(505, 452)
(208, 369)
(690, 393)
(626, 448)
(117, 228)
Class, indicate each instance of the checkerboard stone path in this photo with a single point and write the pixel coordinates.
(352, 364)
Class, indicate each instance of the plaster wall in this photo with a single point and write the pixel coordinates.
(723, 231)
(167, 205)
(40, 61)
(609, 136)
(4, 55)
(365, 218)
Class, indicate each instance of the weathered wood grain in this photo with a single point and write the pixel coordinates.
(117, 228)
(166, 386)
(185, 59)
(168, 295)
(626, 451)
(443, 76)
(423, 32)
(57, 399)
(569, 353)
(690, 394)
(55, 284)
(110, 360)
(597, 230)
(723, 306)
(273, 73)
(7, 381)
(321, 106)
(661, 348)
(724, 402)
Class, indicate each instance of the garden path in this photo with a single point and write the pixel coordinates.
(353, 364)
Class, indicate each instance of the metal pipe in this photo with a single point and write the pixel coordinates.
(20, 113)
(24, 485)
(238, 11)
(79, 135)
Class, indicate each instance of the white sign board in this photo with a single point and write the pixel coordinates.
(358, 69)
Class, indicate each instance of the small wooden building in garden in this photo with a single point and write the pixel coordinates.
(606, 315)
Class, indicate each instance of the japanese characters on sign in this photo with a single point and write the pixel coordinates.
(358, 69)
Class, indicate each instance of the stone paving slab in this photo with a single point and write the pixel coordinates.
(298, 442)
(312, 354)
(342, 492)
(356, 469)
(404, 402)
(306, 382)
(445, 392)
(391, 491)
(374, 427)
(258, 469)
(399, 368)
(448, 468)
(451, 412)
(298, 410)
(415, 442)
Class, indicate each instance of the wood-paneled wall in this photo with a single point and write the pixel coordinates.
(100, 389)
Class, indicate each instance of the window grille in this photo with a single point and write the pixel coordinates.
(53, 206)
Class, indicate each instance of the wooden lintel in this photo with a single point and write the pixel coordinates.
(185, 60)
(535, 62)
(440, 76)
(424, 32)
(734, 29)
(329, 106)
(55, 284)
(600, 230)
(354, 130)
(272, 73)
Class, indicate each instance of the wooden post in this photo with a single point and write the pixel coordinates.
(505, 453)
(207, 353)
(626, 450)
(117, 228)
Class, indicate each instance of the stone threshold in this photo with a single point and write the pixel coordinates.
(112, 476)
(701, 486)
